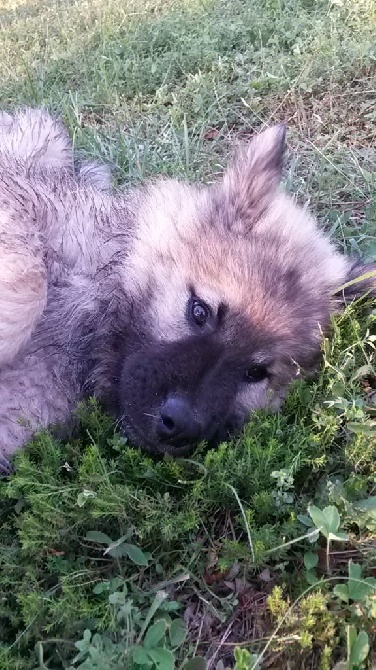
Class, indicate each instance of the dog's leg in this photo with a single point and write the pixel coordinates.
(23, 280)
(32, 137)
(28, 139)
(23, 290)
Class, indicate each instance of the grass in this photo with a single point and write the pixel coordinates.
(267, 545)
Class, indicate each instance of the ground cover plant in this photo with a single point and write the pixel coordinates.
(261, 554)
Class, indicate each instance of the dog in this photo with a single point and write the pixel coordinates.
(183, 308)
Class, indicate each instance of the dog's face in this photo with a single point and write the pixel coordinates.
(231, 287)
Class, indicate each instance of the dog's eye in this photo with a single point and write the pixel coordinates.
(199, 312)
(256, 374)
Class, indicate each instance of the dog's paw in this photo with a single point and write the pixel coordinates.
(34, 137)
(91, 173)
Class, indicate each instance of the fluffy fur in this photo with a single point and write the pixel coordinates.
(99, 291)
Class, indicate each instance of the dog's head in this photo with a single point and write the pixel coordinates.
(231, 286)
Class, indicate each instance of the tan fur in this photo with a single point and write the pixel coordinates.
(178, 250)
(23, 285)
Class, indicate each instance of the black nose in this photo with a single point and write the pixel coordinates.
(177, 423)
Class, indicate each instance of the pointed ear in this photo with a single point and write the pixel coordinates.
(360, 281)
(255, 174)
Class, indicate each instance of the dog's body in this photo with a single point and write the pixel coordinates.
(184, 308)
